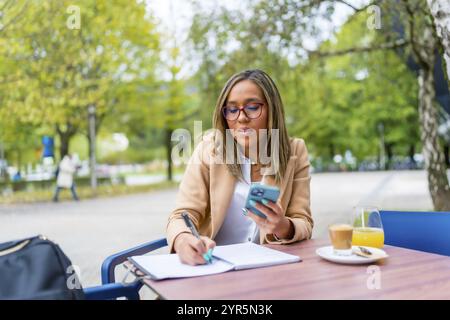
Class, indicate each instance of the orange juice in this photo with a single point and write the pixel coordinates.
(370, 237)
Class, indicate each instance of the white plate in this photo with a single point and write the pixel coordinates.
(328, 254)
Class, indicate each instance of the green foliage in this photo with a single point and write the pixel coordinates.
(50, 74)
(335, 104)
(84, 192)
(53, 73)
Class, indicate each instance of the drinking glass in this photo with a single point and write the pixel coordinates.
(367, 227)
(341, 239)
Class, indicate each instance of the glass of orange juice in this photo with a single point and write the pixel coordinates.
(367, 227)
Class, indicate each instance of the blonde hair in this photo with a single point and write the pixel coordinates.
(276, 120)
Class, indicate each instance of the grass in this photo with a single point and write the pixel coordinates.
(162, 171)
(83, 193)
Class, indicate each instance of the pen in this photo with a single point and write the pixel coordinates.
(207, 256)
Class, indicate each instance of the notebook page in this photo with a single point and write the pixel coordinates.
(169, 266)
(250, 255)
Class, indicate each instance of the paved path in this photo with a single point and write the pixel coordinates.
(90, 230)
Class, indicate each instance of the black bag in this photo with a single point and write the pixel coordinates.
(36, 268)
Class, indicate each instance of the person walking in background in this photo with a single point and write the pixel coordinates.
(64, 179)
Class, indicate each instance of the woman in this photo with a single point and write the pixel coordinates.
(213, 193)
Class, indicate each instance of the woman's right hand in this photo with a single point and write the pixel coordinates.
(191, 250)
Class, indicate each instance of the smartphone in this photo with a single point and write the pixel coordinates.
(258, 192)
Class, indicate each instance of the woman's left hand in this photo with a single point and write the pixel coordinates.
(275, 223)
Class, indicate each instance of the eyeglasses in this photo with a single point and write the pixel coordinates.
(252, 110)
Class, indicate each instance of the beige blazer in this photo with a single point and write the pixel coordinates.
(206, 190)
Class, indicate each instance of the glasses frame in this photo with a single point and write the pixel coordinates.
(242, 108)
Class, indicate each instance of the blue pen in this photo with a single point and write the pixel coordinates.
(207, 256)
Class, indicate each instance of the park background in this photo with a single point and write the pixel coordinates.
(364, 83)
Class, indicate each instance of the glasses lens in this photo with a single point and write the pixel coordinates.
(253, 110)
(230, 113)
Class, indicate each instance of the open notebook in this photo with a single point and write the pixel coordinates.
(225, 258)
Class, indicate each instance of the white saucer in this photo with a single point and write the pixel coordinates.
(328, 254)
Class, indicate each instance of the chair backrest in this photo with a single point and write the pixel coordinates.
(423, 231)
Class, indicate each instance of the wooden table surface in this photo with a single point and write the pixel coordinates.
(406, 274)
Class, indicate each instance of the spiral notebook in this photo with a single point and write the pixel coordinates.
(225, 258)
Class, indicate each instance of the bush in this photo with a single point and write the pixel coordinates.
(50, 184)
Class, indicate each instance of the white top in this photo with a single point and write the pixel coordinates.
(236, 227)
(67, 169)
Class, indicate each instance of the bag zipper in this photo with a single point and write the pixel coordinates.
(15, 248)
(21, 245)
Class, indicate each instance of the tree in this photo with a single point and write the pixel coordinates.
(176, 107)
(440, 10)
(319, 96)
(420, 40)
(277, 29)
(17, 139)
(65, 70)
(424, 45)
(420, 36)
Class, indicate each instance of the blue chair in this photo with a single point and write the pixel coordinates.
(423, 231)
(111, 290)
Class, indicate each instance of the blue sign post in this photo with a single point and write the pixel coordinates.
(49, 147)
